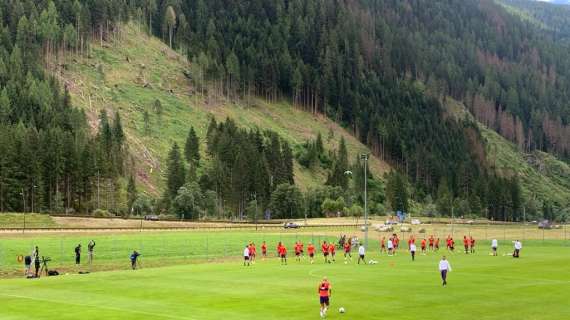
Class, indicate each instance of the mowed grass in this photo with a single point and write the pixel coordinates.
(480, 286)
(32, 220)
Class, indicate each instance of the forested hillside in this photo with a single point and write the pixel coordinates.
(382, 69)
(552, 18)
(48, 159)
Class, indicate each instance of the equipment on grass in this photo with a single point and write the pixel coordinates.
(341, 310)
(52, 273)
(44, 262)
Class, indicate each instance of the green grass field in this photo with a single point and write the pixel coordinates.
(195, 283)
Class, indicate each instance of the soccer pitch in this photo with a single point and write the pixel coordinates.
(535, 286)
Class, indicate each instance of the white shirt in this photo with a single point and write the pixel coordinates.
(390, 244)
(412, 247)
(518, 245)
(444, 265)
(494, 243)
(361, 250)
(246, 252)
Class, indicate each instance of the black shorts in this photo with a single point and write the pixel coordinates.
(245, 258)
(311, 255)
(297, 254)
(325, 254)
(324, 300)
(494, 248)
(283, 256)
(362, 256)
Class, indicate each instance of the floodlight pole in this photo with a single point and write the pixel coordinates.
(24, 211)
(364, 157)
(452, 220)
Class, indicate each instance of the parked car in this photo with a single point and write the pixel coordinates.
(416, 221)
(545, 224)
(384, 228)
(151, 217)
(405, 229)
(291, 225)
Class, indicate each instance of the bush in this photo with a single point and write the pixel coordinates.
(101, 213)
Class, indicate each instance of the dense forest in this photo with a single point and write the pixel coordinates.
(551, 18)
(383, 68)
(49, 160)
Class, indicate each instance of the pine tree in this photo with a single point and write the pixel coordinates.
(338, 176)
(192, 147)
(444, 198)
(288, 163)
(398, 192)
(319, 144)
(132, 193)
(157, 108)
(176, 174)
(118, 133)
(105, 131)
(5, 108)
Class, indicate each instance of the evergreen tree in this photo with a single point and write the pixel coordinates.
(338, 175)
(176, 174)
(397, 192)
(118, 134)
(132, 193)
(286, 202)
(192, 147)
(288, 163)
(157, 108)
(444, 199)
(319, 144)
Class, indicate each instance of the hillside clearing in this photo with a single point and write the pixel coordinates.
(129, 76)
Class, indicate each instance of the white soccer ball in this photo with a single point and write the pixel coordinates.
(341, 310)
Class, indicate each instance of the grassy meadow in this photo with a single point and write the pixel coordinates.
(193, 284)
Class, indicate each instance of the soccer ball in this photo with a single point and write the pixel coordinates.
(341, 310)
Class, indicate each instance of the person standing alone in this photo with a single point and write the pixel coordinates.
(444, 267)
(361, 253)
(78, 255)
(413, 251)
(494, 246)
(90, 248)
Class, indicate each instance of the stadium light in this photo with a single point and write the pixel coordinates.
(364, 157)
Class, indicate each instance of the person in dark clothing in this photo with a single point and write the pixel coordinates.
(36, 259)
(134, 257)
(78, 254)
